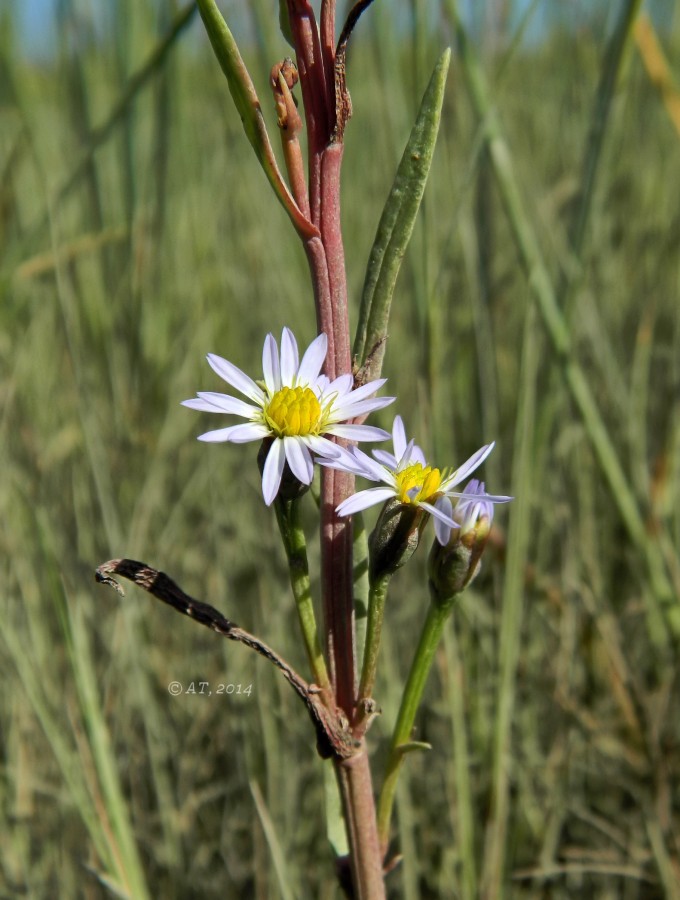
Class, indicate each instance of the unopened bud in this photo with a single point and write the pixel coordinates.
(395, 537)
(453, 566)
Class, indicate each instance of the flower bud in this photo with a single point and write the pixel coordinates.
(395, 537)
(453, 566)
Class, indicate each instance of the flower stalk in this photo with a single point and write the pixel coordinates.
(293, 537)
(401, 742)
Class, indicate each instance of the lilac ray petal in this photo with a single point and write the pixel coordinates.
(270, 364)
(385, 458)
(299, 459)
(226, 404)
(235, 377)
(350, 462)
(406, 456)
(358, 432)
(442, 531)
(490, 498)
(363, 500)
(443, 509)
(372, 469)
(341, 460)
(272, 472)
(417, 455)
(399, 437)
(290, 359)
(468, 466)
(312, 360)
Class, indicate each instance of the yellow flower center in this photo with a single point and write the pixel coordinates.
(417, 482)
(293, 411)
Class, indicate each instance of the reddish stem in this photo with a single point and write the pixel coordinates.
(328, 48)
(316, 67)
(310, 66)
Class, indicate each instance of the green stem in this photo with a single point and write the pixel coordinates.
(293, 536)
(376, 608)
(420, 669)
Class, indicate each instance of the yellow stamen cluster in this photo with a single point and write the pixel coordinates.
(293, 411)
(418, 482)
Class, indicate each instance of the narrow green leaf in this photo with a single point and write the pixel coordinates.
(247, 103)
(396, 225)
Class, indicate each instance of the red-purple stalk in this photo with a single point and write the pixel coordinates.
(315, 52)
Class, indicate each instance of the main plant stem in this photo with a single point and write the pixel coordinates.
(327, 265)
(315, 54)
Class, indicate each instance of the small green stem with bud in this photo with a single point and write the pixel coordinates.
(293, 536)
(438, 613)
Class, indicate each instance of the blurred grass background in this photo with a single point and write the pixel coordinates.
(137, 234)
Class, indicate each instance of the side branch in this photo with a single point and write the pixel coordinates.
(332, 730)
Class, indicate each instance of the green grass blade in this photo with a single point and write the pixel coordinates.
(273, 842)
(664, 596)
(396, 225)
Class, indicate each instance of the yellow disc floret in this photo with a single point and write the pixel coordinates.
(293, 411)
(417, 482)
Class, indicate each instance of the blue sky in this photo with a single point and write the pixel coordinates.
(36, 17)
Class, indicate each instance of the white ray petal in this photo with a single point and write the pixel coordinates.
(342, 386)
(233, 434)
(322, 446)
(299, 459)
(235, 377)
(226, 404)
(290, 359)
(200, 405)
(244, 434)
(312, 360)
(371, 387)
(272, 472)
(344, 408)
(270, 364)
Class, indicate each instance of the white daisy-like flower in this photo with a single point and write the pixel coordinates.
(294, 405)
(407, 476)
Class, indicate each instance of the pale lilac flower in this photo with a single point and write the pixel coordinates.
(294, 405)
(474, 507)
(411, 480)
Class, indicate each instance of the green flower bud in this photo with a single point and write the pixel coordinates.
(395, 537)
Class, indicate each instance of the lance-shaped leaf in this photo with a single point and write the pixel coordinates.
(396, 226)
(245, 97)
